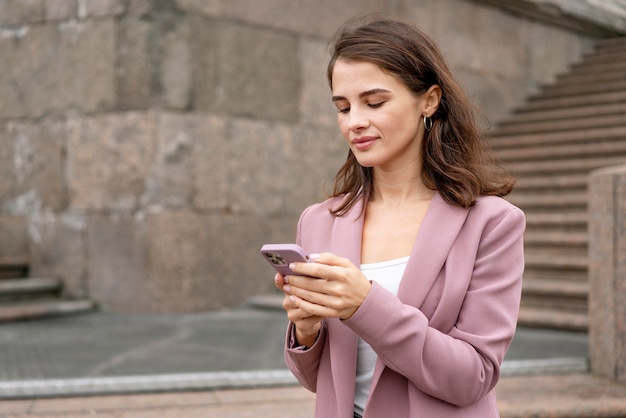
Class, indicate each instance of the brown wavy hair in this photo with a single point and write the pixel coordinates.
(456, 159)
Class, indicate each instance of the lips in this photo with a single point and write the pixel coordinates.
(364, 142)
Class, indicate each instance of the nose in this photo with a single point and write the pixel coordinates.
(357, 119)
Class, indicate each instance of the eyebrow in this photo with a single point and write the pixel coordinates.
(364, 94)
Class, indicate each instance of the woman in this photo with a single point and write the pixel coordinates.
(412, 301)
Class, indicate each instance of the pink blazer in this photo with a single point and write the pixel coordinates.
(441, 341)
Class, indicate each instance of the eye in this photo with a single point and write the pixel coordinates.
(376, 105)
(343, 109)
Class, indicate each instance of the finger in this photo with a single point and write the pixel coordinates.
(331, 259)
(279, 281)
(314, 309)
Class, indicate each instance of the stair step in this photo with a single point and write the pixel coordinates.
(560, 125)
(550, 318)
(614, 44)
(549, 261)
(528, 199)
(562, 151)
(598, 66)
(580, 89)
(604, 57)
(43, 309)
(547, 219)
(570, 137)
(555, 287)
(560, 182)
(568, 79)
(571, 114)
(537, 104)
(13, 266)
(565, 239)
(574, 166)
(26, 287)
(565, 275)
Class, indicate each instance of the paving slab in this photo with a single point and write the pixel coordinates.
(230, 364)
(107, 353)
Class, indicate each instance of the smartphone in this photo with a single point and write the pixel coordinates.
(281, 255)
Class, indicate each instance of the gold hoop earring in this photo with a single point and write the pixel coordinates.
(428, 123)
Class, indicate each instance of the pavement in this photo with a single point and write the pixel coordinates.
(230, 364)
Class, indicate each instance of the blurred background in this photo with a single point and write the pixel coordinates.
(148, 148)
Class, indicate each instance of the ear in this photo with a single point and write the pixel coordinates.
(432, 98)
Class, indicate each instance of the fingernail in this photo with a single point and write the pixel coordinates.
(314, 257)
(287, 288)
(292, 266)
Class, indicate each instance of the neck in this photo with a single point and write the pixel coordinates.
(399, 187)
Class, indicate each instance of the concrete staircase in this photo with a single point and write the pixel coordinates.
(23, 297)
(570, 128)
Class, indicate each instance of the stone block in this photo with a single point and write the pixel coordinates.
(100, 8)
(548, 59)
(281, 168)
(190, 162)
(420, 13)
(480, 39)
(58, 249)
(261, 175)
(607, 272)
(257, 73)
(238, 271)
(209, 161)
(203, 7)
(316, 106)
(493, 96)
(19, 12)
(51, 69)
(135, 73)
(109, 159)
(321, 151)
(154, 62)
(180, 261)
(170, 181)
(14, 236)
(116, 263)
(319, 18)
(32, 164)
(61, 9)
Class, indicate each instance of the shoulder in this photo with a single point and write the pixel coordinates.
(322, 210)
(494, 210)
(493, 205)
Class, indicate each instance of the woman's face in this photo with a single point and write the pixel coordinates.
(380, 118)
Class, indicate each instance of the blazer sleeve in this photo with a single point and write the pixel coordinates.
(459, 364)
(304, 364)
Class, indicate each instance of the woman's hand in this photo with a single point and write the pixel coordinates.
(307, 325)
(330, 287)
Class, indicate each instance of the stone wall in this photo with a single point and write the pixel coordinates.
(150, 148)
(607, 272)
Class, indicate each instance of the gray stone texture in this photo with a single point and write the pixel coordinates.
(32, 176)
(109, 159)
(149, 148)
(58, 249)
(56, 68)
(319, 18)
(180, 261)
(607, 272)
(14, 240)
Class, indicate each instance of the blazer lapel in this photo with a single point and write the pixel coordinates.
(347, 234)
(346, 242)
(439, 230)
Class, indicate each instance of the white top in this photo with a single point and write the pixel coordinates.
(388, 274)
